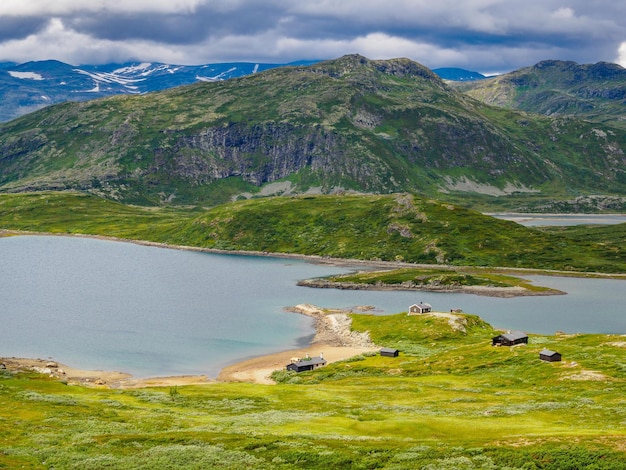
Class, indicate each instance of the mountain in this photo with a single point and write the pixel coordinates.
(346, 124)
(596, 92)
(458, 75)
(33, 85)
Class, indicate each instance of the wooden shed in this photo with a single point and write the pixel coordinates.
(549, 356)
(389, 352)
(422, 307)
(510, 339)
(306, 363)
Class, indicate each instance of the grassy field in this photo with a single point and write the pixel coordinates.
(449, 401)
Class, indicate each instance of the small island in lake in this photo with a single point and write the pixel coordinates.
(468, 281)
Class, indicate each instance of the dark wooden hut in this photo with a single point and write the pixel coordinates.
(510, 339)
(549, 356)
(389, 352)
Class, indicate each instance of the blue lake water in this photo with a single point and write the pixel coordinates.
(544, 220)
(151, 311)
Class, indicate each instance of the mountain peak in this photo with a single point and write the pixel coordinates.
(352, 63)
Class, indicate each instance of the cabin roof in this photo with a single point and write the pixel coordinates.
(548, 352)
(514, 335)
(310, 361)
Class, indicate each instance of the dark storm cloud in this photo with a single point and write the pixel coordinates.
(20, 27)
(175, 28)
(479, 34)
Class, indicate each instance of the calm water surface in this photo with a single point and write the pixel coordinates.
(542, 220)
(151, 311)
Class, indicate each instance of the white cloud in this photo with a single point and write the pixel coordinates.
(476, 34)
(58, 42)
(67, 7)
(621, 54)
(564, 13)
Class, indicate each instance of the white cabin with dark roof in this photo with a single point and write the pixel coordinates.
(306, 363)
(422, 307)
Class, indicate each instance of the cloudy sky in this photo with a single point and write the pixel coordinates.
(483, 35)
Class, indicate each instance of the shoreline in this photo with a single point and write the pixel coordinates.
(333, 338)
(258, 369)
(319, 259)
(487, 291)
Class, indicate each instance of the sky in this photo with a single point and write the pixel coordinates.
(487, 36)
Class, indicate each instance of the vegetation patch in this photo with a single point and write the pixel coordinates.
(444, 279)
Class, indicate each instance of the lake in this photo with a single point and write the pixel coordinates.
(544, 220)
(149, 311)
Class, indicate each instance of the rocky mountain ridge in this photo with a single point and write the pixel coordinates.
(347, 124)
(596, 92)
(33, 85)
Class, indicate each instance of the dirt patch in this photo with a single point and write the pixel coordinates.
(590, 375)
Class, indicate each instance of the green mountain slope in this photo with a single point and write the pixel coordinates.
(347, 124)
(596, 92)
(383, 227)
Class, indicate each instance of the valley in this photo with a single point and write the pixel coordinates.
(349, 162)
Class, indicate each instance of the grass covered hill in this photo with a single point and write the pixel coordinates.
(399, 227)
(596, 92)
(351, 123)
(450, 400)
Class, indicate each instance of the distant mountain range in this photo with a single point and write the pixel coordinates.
(350, 124)
(596, 92)
(33, 85)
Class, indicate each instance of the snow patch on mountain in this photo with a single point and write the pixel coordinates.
(110, 77)
(26, 75)
(132, 69)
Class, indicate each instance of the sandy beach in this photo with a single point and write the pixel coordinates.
(259, 369)
(333, 339)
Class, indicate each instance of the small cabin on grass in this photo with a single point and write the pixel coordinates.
(510, 339)
(422, 307)
(306, 363)
(389, 352)
(549, 356)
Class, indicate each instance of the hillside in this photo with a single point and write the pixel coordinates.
(450, 400)
(385, 227)
(348, 124)
(34, 85)
(596, 92)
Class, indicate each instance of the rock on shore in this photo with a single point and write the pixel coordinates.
(333, 328)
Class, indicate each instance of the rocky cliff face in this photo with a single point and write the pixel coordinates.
(260, 154)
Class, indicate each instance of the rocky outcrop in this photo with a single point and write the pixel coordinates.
(333, 328)
(260, 153)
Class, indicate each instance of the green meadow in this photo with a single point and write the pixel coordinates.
(450, 400)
